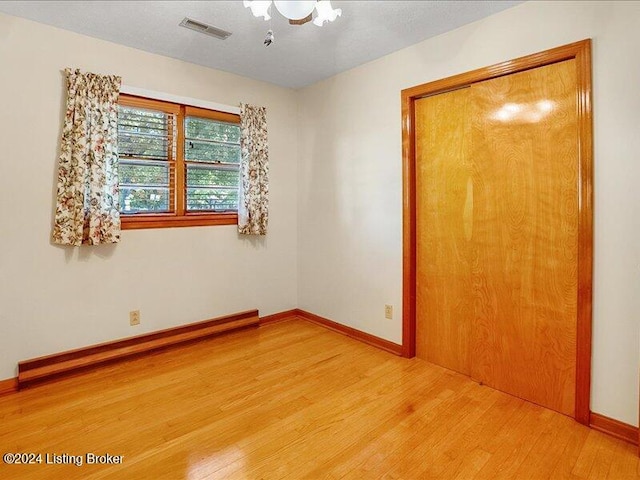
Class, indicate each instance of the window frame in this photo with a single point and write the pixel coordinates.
(180, 217)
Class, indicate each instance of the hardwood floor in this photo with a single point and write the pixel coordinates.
(293, 400)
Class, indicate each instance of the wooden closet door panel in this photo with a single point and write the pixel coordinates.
(525, 174)
(444, 301)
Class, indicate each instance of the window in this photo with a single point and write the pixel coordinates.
(179, 165)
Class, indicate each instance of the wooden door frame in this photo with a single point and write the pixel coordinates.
(581, 52)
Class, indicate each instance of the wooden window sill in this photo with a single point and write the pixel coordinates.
(170, 220)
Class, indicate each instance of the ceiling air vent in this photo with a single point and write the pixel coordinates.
(204, 28)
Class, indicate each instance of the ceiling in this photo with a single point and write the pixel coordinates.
(299, 56)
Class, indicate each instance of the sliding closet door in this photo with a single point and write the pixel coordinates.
(524, 139)
(497, 232)
(444, 302)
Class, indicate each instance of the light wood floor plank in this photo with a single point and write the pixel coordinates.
(293, 400)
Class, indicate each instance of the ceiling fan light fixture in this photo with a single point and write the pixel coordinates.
(259, 8)
(295, 10)
(326, 13)
(298, 12)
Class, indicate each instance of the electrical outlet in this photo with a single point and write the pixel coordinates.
(134, 317)
(388, 312)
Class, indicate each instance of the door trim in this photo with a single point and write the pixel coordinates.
(581, 52)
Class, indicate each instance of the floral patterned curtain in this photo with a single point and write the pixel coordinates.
(87, 211)
(253, 203)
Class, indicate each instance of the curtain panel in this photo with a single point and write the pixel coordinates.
(87, 210)
(253, 201)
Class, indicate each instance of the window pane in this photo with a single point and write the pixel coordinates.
(143, 173)
(212, 199)
(211, 141)
(138, 120)
(212, 188)
(207, 176)
(205, 129)
(144, 199)
(143, 133)
(202, 151)
(138, 146)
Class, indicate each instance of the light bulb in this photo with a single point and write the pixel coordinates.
(295, 10)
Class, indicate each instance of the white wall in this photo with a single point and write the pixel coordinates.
(350, 185)
(55, 298)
